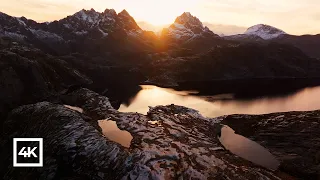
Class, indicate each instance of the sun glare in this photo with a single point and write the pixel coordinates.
(159, 12)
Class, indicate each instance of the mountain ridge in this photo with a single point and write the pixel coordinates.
(89, 30)
(85, 30)
(124, 10)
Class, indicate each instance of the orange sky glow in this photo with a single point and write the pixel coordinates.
(293, 16)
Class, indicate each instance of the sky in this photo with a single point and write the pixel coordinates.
(293, 16)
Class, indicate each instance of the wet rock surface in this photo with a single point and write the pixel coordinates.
(170, 142)
(293, 137)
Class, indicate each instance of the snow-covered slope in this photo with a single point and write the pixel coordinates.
(89, 26)
(86, 21)
(264, 31)
(186, 27)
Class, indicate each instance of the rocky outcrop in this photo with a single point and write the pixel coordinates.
(28, 75)
(72, 147)
(293, 137)
(170, 142)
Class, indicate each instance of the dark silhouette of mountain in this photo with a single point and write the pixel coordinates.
(186, 48)
(242, 61)
(309, 44)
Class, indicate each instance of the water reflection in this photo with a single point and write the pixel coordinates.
(247, 149)
(112, 132)
(213, 106)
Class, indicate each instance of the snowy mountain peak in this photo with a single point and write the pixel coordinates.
(185, 28)
(264, 31)
(87, 15)
(187, 19)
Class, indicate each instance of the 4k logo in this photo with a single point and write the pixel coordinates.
(27, 152)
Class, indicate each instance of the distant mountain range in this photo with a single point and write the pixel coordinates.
(88, 30)
(85, 31)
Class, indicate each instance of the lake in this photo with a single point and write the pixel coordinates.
(212, 106)
(224, 104)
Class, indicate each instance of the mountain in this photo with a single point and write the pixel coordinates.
(264, 31)
(309, 44)
(244, 38)
(188, 32)
(234, 62)
(44, 66)
(185, 28)
(257, 33)
(86, 30)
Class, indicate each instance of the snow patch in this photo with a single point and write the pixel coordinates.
(83, 32)
(264, 31)
(13, 35)
(179, 26)
(21, 21)
(90, 17)
(104, 34)
(68, 26)
(46, 35)
(187, 27)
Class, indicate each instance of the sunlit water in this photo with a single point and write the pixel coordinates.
(247, 149)
(112, 132)
(303, 100)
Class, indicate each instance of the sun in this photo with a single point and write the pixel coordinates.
(159, 13)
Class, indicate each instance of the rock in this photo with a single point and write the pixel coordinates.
(93, 104)
(170, 142)
(28, 75)
(72, 147)
(293, 137)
